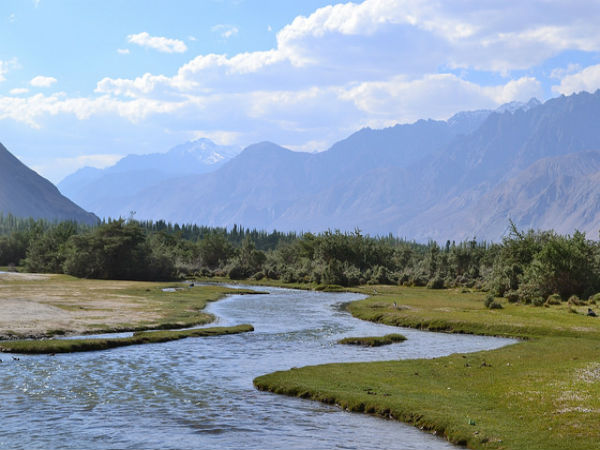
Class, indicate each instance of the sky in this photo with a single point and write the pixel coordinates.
(84, 83)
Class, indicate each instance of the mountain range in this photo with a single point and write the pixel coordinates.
(537, 164)
(24, 193)
(103, 190)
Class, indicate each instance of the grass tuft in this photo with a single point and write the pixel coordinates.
(373, 341)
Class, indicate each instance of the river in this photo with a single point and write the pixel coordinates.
(198, 393)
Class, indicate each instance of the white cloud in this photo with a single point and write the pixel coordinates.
(162, 44)
(30, 110)
(220, 137)
(561, 72)
(378, 39)
(226, 31)
(6, 66)
(42, 81)
(18, 91)
(587, 79)
(12, 18)
(436, 96)
(123, 51)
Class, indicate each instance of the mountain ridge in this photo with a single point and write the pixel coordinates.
(426, 180)
(24, 193)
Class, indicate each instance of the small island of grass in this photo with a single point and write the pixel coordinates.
(373, 341)
(50, 346)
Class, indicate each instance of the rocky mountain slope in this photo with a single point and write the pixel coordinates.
(23, 193)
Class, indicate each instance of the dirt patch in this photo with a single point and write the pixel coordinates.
(23, 276)
(33, 305)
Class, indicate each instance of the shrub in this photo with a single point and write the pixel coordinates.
(436, 283)
(352, 275)
(553, 299)
(495, 305)
(594, 299)
(537, 301)
(512, 296)
(258, 276)
(575, 301)
(488, 300)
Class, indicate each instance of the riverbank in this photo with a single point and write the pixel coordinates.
(541, 393)
(38, 306)
(53, 346)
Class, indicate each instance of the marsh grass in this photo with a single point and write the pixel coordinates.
(51, 346)
(373, 341)
(542, 393)
(456, 312)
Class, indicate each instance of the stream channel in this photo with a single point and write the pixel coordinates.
(198, 392)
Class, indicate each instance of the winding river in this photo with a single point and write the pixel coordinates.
(198, 393)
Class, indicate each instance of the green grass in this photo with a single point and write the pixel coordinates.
(542, 393)
(457, 312)
(51, 346)
(373, 341)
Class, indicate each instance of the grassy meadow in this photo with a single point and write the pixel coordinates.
(542, 393)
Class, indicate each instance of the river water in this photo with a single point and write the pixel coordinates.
(198, 393)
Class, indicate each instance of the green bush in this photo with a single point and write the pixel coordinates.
(553, 299)
(489, 299)
(575, 301)
(512, 296)
(436, 283)
(537, 301)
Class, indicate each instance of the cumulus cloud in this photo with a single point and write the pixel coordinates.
(18, 91)
(123, 51)
(587, 79)
(377, 39)
(226, 31)
(162, 44)
(30, 110)
(42, 81)
(438, 94)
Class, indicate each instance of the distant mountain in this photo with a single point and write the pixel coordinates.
(23, 193)
(560, 193)
(266, 185)
(536, 164)
(502, 149)
(100, 190)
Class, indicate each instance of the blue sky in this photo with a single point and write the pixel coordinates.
(87, 82)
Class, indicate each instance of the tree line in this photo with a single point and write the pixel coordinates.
(526, 266)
